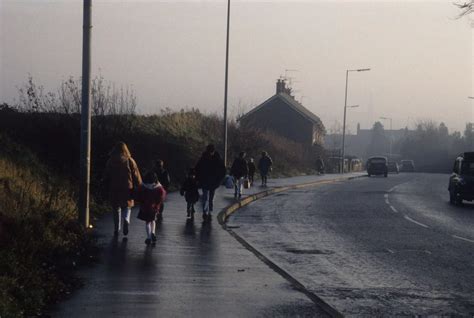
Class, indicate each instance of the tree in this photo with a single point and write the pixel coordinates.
(466, 8)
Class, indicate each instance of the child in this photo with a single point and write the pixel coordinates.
(252, 168)
(190, 191)
(150, 195)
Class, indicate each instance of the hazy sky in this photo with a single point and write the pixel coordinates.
(173, 54)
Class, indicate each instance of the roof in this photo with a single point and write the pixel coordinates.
(290, 101)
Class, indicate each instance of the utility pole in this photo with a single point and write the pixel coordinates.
(85, 158)
(226, 82)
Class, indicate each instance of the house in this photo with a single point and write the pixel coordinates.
(285, 116)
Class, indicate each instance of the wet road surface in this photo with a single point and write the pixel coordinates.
(195, 270)
(371, 246)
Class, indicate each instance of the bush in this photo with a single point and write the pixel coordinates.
(39, 237)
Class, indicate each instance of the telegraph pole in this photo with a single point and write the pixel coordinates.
(85, 117)
(226, 82)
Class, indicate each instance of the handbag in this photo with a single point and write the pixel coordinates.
(229, 182)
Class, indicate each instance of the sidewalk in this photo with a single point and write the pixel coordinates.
(196, 270)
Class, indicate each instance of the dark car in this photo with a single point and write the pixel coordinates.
(393, 167)
(377, 166)
(407, 166)
(461, 182)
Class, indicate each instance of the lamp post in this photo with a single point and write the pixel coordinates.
(344, 121)
(226, 82)
(391, 134)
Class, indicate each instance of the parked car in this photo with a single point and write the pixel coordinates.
(461, 182)
(393, 167)
(377, 166)
(407, 166)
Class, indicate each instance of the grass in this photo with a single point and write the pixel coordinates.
(40, 241)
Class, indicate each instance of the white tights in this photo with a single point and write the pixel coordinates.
(150, 228)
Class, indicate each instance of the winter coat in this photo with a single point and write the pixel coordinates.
(163, 178)
(239, 168)
(190, 190)
(252, 168)
(210, 171)
(264, 165)
(122, 176)
(150, 198)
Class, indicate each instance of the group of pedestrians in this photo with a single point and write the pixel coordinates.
(243, 171)
(125, 185)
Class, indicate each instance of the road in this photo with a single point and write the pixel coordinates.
(371, 246)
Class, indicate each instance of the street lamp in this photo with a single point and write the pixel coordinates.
(391, 134)
(345, 110)
(226, 82)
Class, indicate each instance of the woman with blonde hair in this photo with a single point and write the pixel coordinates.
(122, 177)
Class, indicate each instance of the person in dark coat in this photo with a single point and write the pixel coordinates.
(320, 165)
(165, 181)
(252, 168)
(121, 176)
(150, 195)
(239, 171)
(210, 171)
(191, 193)
(265, 166)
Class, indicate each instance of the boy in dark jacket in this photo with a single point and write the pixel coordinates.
(190, 191)
(165, 181)
(150, 195)
(265, 166)
(239, 171)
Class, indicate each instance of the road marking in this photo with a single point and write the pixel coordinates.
(393, 189)
(390, 251)
(416, 222)
(385, 195)
(393, 209)
(463, 238)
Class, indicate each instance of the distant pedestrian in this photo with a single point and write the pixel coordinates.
(210, 171)
(189, 189)
(265, 166)
(320, 165)
(252, 168)
(150, 195)
(165, 181)
(239, 171)
(122, 177)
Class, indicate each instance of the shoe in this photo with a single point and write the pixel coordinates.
(153, 237)
(188, 216)
(125, 228)
(147, 241)
(240, 196)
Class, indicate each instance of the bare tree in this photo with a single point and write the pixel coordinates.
(465, 7)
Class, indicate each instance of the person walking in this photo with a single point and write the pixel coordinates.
(320, 165)
(210, 171)
(252, 168)
(122, 176)
(165, 181)
(239, 171)
(265, 166)
(191, 193)
(150, 196)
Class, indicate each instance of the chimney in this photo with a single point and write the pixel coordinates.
(280, 86)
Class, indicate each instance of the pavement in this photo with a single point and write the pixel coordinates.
(372, 246)
(195, 269)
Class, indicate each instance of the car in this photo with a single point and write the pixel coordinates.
(377, 166)
(407, 166)
(393, 167)
(461, 181)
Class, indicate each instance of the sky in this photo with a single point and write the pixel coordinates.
(173, 54)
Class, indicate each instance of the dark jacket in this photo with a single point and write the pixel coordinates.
(163, 177)
(150, 197)
(210, 171)
(264, 165)
(239, 168)
(252, 168)
(190, 190)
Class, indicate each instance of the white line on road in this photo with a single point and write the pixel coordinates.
(393, 209)
(463, 238)
(385, 195)
(416, 222)
(390, 251)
